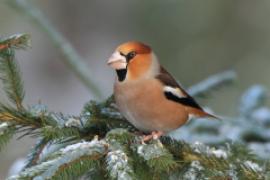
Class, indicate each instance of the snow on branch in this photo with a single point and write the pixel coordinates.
(100, 143)
(212, 82)
(64, 159)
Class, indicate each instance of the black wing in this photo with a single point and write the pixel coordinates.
(174, 91)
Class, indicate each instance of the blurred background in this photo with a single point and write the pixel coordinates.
(193, 40)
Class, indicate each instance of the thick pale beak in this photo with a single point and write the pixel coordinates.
(117, 61)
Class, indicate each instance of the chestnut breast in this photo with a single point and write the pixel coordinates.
(144, 105)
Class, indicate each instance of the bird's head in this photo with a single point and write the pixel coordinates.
(131, 60)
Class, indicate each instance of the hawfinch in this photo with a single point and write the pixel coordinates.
(147, 95)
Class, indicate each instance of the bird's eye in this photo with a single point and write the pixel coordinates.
(130, 55)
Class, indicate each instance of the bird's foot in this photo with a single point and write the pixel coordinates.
(154, 135)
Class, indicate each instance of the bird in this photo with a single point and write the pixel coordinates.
(147, 95)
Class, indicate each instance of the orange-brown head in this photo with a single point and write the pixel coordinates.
(131, 60)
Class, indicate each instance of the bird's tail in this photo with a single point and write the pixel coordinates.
(211, 116)
(202, 114)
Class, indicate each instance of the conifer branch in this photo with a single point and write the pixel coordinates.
(118, 160)
(18, 117)
(10, 74)
(18, 41)
(211, 83)
(118, 164)
(6, 133)
(158, 158)
(71, 162)
(100, 142)
(35, 153)
(11, 79)
(72, 59)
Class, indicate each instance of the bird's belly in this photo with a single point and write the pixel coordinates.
(148, 110)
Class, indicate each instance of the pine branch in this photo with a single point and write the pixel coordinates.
(50, 126)
(72, 59)
(253, 98)
(103, 116)
(10, 74)
(19, 118)
(6, 133)
(218, 162)
(72, 161)
(119, 153)
(11, 78)
(158, 158)
(211, 83)
(18, 41)
(76, 160)
(60, 134)
(76, 168)
(119, 164)
(35, 153)
(168, 157)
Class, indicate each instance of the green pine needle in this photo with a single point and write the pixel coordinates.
(157, 157)
(76, 168)
(57, 133)
(34, 155)
(18, 41)
(6, 135)
(10, 76)
(118, 159)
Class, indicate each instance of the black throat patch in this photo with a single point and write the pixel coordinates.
(121, 74)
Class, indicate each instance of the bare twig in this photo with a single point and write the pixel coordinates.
(72, 58)
(212, 82)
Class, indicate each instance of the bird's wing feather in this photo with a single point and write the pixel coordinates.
(174, 92)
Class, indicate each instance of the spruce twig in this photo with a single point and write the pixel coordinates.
(9, 70)
(72, 161)
(35, 153)
(11, 78)
(211, 83)
(18, 41)
(6, 133)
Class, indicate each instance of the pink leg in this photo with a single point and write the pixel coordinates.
(154, 135)
(157, 134)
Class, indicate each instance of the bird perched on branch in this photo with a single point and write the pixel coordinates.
(147, 95)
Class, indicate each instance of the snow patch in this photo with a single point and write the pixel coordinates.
(192, 172)
(253, 166)
(72, 122)
(3, 126)
(219, 153)
(80, 145)
(17, 166)
(118, 165)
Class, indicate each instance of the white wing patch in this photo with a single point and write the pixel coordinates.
(175, 91)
